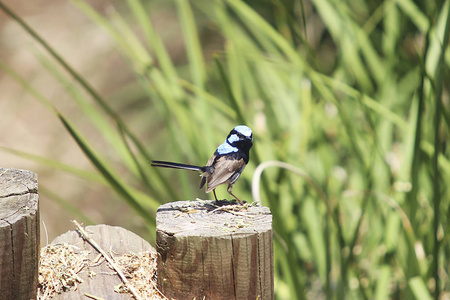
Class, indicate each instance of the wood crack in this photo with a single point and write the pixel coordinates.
(12, 258)
(233, 266)
(28, 191)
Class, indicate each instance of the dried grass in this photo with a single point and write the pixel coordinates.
(140, 270)
(58, 268)
(60, 265)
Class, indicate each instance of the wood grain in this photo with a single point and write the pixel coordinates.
(19, 234)
(210, 254)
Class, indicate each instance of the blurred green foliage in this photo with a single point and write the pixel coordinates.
(354, 93)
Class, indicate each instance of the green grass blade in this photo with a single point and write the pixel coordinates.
(57, 57)
(122, 35)
(382, 288)
(26, 85)
(144, 178)
(89, 176)
(443, 28)
(196, 66)
(415, 14)
(98, 99)
(233, 101)
(211, 99)
(419, 289)
(154, 42)
(141, 59)
(368, 101)
(119, 187)
(192, 42)
(314, 228)
(96, 117)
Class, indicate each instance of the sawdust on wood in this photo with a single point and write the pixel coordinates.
(140, 270)
(61, 264)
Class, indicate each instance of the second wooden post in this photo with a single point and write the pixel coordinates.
(211, 253)
(19, 234)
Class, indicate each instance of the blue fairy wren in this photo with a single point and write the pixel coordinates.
(226, 164)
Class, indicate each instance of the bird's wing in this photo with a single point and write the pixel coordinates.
(207, 174)
(223, 170)
(211, 160)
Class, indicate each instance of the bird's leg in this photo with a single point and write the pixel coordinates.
(215, 197)
(230, 187)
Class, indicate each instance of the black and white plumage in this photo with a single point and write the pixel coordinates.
(227, 163)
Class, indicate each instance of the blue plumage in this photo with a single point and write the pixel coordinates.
(244, 130)
(226, 148)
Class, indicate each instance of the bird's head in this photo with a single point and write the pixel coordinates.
(241, 137)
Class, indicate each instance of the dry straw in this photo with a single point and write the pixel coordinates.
(61, 264)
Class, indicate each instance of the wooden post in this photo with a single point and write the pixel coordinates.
(19, 234)
(211, 253)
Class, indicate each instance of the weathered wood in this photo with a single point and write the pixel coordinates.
(115, 240)
(217, 254)
(19, 234)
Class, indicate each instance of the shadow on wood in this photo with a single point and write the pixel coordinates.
(19, 234)
(208, 252)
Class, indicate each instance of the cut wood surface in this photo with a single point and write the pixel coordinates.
(19, 234)
(206, 252)
(99, 279)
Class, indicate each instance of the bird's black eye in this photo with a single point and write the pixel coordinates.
(240, 135)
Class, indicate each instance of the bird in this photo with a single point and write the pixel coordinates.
(226, 164)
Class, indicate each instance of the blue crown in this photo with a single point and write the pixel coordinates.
(244, 130)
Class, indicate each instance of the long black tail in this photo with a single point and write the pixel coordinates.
(168, 164)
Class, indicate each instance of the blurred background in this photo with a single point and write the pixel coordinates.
(352, 95)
